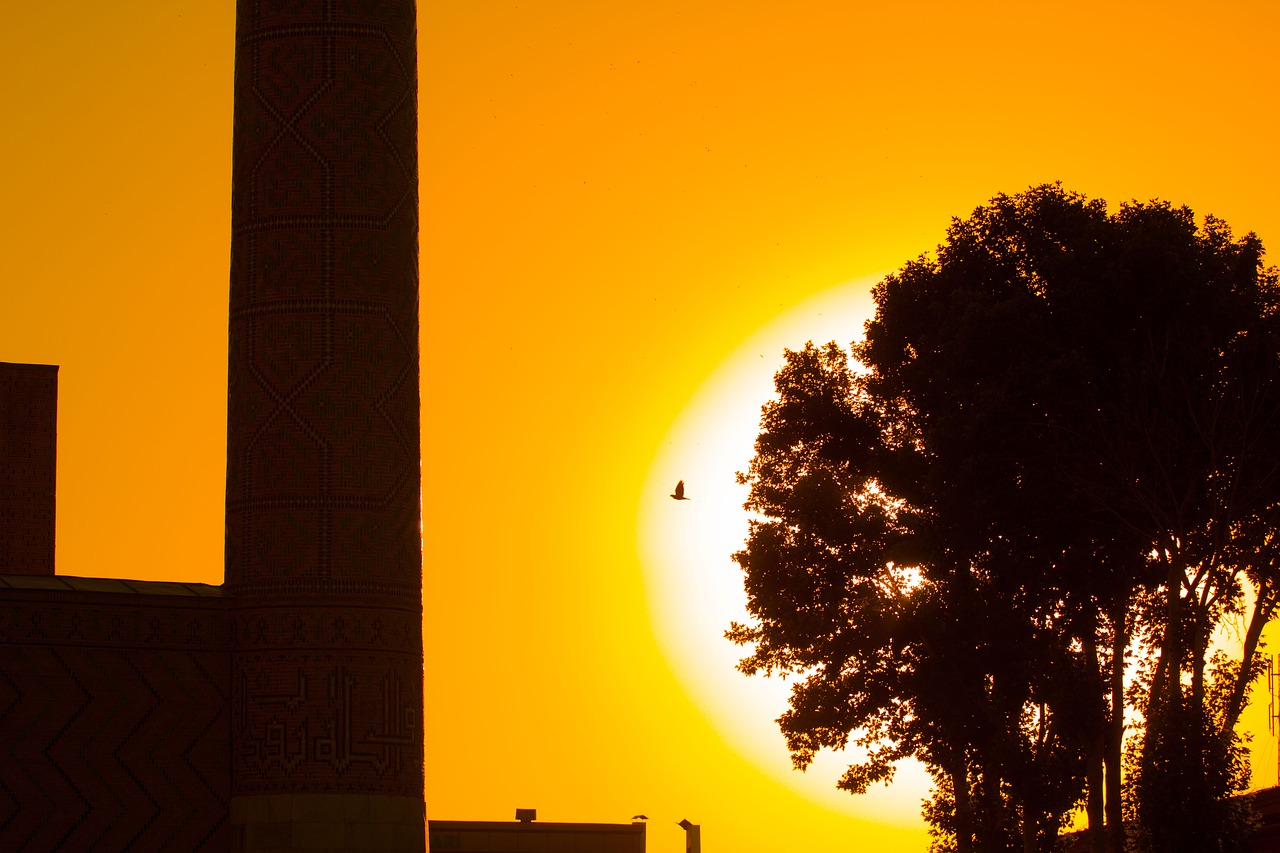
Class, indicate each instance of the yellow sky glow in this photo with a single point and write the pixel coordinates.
(616, 197)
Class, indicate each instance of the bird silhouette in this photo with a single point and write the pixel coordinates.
(678, 494)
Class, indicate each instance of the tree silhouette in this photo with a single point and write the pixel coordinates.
(1059, 454)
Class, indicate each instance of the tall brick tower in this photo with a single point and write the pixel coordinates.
(282, 710)
(323, 548)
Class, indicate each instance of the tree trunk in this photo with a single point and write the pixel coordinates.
(1199, 651)
(1093, 807)
(1263, 608)
(1115, 734)
(1166, 686)
(1094, 742)
(964, 808)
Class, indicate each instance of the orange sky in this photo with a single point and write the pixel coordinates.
(615, 196)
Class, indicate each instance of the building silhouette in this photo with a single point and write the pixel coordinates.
(526, 835)
(281, 710)
(28, 467)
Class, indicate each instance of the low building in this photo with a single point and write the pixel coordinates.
(529, 836)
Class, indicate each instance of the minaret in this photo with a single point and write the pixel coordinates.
(323, 547)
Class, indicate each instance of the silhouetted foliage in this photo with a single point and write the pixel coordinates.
(1061, 450)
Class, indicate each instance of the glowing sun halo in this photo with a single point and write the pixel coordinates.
(695, 588)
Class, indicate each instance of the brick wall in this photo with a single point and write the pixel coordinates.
(28, 467)
(114, 725)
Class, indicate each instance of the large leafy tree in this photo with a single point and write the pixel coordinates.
(1059, 451)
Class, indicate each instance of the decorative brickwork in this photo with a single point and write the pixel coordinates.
(323, 442)
(111, 614)
(326, 722)
(114, 710)
(28, 467)
(323, 474)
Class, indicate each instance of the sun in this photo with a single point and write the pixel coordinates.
(695, 588)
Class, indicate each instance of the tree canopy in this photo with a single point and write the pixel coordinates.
(1049, 473)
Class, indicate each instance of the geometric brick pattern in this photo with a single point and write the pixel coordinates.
(114, 712)
(323, 444)
(323, 548)
(28, 467)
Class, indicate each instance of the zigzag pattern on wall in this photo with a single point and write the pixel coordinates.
(112, 748)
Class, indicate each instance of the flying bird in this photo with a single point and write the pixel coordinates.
(678, 494)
